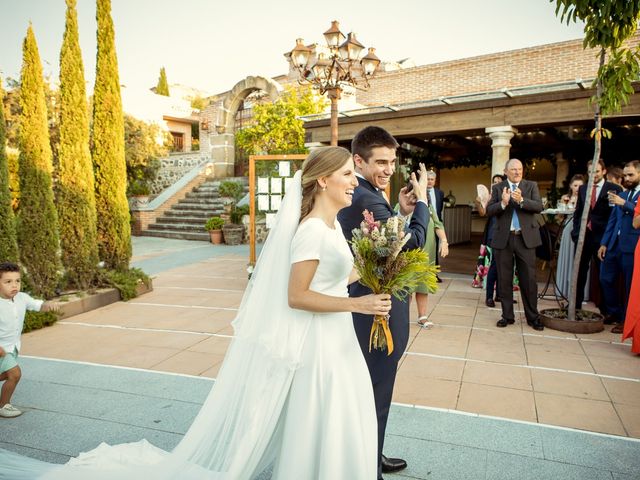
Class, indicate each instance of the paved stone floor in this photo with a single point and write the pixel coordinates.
(471, 400)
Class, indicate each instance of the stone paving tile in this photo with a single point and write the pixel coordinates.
(429, 367)
(629, 368)
(431, 392)
(583, 414)
(497, 375)
(540, 356)
(437, 461)
(623, 391)
(504, 466)
(497, 401)
(216, 345)
(630, 417)
(467, 430)
(609, 350)
(603, 452)
(555, 344)
(569, 384)
(188, 362)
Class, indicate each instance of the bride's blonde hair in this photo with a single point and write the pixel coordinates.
(321, 162)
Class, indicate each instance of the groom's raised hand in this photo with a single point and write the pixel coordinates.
(408, 199)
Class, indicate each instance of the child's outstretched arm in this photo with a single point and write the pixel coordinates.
(50, 307)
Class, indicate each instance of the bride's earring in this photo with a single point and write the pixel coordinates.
(324, 189)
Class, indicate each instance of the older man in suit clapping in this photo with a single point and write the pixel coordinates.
(514, 202)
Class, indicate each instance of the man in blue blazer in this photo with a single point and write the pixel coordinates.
(618, 245)
(374, 154)
(599, 212)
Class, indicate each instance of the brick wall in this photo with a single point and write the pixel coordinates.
(552, 63)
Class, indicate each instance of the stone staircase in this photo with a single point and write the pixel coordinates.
(186, 219)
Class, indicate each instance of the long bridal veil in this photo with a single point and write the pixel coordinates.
(236, 433)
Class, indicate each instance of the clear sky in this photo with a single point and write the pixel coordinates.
(213, 44)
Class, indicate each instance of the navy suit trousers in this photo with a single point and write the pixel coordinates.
(615, 263)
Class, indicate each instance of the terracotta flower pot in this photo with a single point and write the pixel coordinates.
(216, 236)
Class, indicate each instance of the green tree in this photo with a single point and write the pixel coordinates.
(114, 228)
(37, 224)
(163, 87)
(276, 128)
(75, 189)
(8, 238)
(144, 144)
(609, 24)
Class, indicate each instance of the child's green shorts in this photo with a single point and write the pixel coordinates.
(9, 361)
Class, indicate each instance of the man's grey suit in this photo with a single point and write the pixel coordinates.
(520, 245)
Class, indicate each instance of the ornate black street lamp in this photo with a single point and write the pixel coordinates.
(332, 68)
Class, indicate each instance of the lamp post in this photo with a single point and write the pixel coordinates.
(328, 69)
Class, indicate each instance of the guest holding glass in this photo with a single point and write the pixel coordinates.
(567, 248)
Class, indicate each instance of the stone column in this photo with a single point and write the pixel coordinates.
(562, 169)
(222, 154)
(501, 144)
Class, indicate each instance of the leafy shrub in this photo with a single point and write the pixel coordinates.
(37, 320)
(138, 187)
(126, 281)
(214, 223)
(231, 189)
(235, 216)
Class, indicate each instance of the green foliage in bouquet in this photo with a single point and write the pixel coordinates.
(385, 268)
(381, 263)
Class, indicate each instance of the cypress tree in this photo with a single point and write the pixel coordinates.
(75, 189)
(163, 87)
(8, 239)
(114, 228)
(37, 224)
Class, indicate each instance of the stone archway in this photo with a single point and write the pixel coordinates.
(222, 139)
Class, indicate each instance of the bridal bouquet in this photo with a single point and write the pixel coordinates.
(385, 268)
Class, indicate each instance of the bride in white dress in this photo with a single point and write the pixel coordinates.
(293, 393)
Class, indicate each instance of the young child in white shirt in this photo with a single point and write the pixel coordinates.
(13, 306)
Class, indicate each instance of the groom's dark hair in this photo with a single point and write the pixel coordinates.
(369, 138)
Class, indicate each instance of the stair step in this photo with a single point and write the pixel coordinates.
(199, 214)
(197, 206)
(204, 236)
(199, 201)
(188, 220)
(178, 227)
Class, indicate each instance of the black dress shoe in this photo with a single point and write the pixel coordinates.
(504, 322)
(609, 320)
(536, 324)
(490, 303)
(439, 280)
(390, 465)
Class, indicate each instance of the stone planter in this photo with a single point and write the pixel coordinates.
(233, 234)
(587, 322)
(138, 201)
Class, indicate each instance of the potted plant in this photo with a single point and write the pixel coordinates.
(214, 227)
(138, 193)
(234, 229)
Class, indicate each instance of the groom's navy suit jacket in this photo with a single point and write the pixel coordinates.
(381, 367)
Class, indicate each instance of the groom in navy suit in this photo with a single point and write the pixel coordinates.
(374, 154)
(618, 245)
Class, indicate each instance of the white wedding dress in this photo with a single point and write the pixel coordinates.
(293, 393)
(330, 426)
